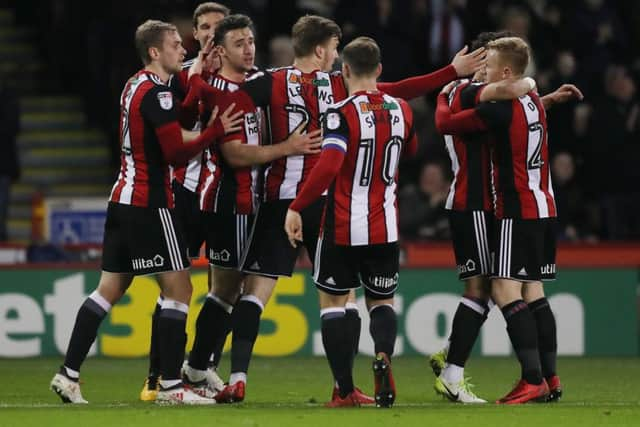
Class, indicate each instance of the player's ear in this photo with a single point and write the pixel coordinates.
(378, 70)
(154, 52)
(346, 70)
(319, 51)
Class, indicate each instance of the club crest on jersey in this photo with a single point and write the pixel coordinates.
(166, 100)
(333, 121)
(366, 107)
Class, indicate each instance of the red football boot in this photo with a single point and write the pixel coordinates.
(362, 398)
(231, 393)
(385, 386)
(350, 400)
(555, 389)
(524, 392)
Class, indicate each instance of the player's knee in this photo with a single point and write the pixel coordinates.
(476, 287)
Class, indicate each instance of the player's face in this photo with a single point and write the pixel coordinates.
(238, 49)
(329, 54)
(206, 27)
(495, 67)
(172, 53)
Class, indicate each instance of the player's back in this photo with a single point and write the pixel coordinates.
(373, 128)
(289, 98)
(143, 179)
(470, 161)
(520, 156)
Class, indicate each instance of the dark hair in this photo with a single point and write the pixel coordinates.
(151, 34)
(362, 55)
(310, 31)
(230, 23)
(488, 36)
(209, 7)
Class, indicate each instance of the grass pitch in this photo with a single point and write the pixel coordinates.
(291, 391)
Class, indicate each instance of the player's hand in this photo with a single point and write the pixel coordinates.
(566, 93)
(211, 60)
(293, 227)
(307, 143)
(449, 87)
(468, 63)
(231, 121)
(197, 64)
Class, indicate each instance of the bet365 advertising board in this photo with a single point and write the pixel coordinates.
(596, 313)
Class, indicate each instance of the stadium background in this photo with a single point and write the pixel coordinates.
(63, 64)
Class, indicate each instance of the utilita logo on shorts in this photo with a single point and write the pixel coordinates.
(468, 267)
(548, 269)
(223, 255)
(141, 263)
(385, 282)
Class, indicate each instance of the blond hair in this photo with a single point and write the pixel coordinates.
(151, 34)
(513, 51)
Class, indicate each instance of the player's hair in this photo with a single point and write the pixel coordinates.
(230, 23)
(310, 31)
(151, 33)
(488, 36)
(514, 51)
(209, 7)
(362, 55)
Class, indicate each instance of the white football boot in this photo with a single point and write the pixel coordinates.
(68, 390)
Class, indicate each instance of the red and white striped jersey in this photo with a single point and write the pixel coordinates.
(289, 97)
(520, 157)
(223, 188)
(146, 104)
(470, 158)
(188, 175)
(372, 129)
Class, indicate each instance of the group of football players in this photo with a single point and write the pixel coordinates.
(254, 163)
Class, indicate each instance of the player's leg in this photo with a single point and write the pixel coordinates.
(245, 322)
(471, 313)
(90, 315)
(150, 386)
(379, 268)
(533, 294)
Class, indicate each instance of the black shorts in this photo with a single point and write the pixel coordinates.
(338, 269)
(188, 212)
(269, 252)
(226, 238)
(526, 249)
(142, 241)
(472, 234)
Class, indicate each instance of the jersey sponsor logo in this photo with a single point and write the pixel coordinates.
(143, 263)
(166, 100)
(295, 78)
(251, 123)
(366, 107)
(223, 255)
(333, 121)
(384, 282)
(467, 267)
(548, 269)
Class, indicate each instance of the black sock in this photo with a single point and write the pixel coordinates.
(218, 345)
(521, 327)
(246, 324)
(85, 329)
(384, 329)
(354, 324)
(172, 338)
(154, 353)
(212, 322)
(336, 339)
(547, 338)
(467, 322)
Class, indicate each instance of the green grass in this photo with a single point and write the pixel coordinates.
(290, 391)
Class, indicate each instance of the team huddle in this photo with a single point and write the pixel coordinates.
(253, 163)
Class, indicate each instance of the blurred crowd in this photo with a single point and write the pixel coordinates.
(593, 43)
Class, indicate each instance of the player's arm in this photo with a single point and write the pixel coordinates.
(239, 154)
(564, 93)
(448, 123)
(159, 108)
(506, 89)
(463, 64)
